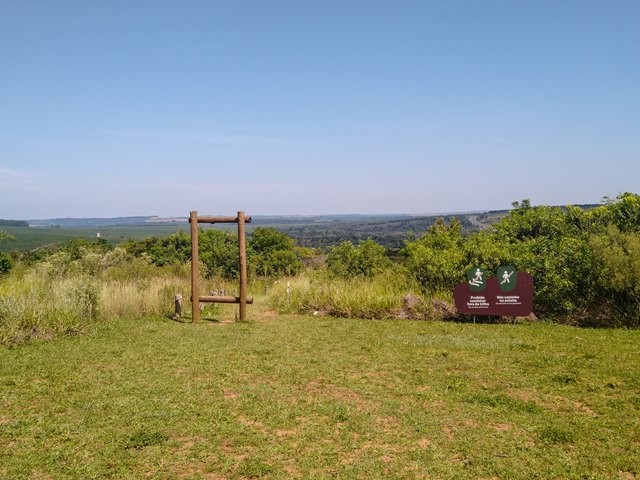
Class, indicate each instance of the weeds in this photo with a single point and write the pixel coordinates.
(67, 294)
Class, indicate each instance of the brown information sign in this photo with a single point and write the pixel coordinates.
(503, 295)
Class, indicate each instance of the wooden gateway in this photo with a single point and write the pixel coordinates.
(242, 299)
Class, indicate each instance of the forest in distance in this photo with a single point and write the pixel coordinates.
(315, 231)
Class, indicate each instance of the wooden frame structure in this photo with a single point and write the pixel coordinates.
(242, 299)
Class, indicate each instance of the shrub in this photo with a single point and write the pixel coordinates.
(171, 250)
(272, 253)
(363, 260)
(379, 296)
(218, 251)
(6, 263)
(437, 259)
(618, 254)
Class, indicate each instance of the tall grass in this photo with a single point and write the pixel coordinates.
(32, 306)
(388, 295)
(140, 298)
(65, 295)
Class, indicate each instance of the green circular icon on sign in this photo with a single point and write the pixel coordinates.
(507, 278)
(477, 279)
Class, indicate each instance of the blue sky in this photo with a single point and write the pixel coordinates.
(297, 107)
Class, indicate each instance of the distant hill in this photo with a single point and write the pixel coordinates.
(257, 220)
(392, 232)
(320, 231)
(90, 222)
(411, 221)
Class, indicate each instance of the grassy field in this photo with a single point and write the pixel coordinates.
(28, 238)
(317, 397)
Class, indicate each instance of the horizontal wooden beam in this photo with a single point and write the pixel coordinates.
(210, 219)
(223, 299)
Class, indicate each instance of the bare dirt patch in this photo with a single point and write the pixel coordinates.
(501, 427)
(424, 443)
(524, 395)
(325, 389)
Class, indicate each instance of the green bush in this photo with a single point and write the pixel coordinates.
(218, 250)
(172, 250)
(437, 259)
(585, 263)
(618, 254)
(363, 260)
(548, 243)
(272, 253)
(6, 263)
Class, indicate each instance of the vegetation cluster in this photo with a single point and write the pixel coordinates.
(585, 264)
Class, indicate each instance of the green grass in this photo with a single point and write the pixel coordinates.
(318, 397)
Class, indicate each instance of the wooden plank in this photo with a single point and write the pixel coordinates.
(242, 247)
(222, 299)
(213, 219)
(195, 267)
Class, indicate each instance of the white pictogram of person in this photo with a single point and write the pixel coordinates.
(506, 277)
(477, 280)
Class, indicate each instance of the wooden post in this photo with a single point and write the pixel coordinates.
(197, 302)
(243, 267)
(195, 268)
(178, 306)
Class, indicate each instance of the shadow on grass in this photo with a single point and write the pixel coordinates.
(188, 319)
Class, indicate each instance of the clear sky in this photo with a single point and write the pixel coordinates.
(111, 108)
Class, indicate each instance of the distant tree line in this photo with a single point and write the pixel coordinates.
(13, 223)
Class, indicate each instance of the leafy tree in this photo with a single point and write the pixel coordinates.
(526, 222)
(366, 259)
(273, 253)
(437, 259)
(6, 263)
(172, 250)
(218, 251)
(623, 212)
(6, 236)
(619, 255)
(77, 247)
(488, 250)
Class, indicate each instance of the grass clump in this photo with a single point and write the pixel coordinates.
(556, 435)
(67, 294)
(145, 438)
(383, 296)
(35, 307)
